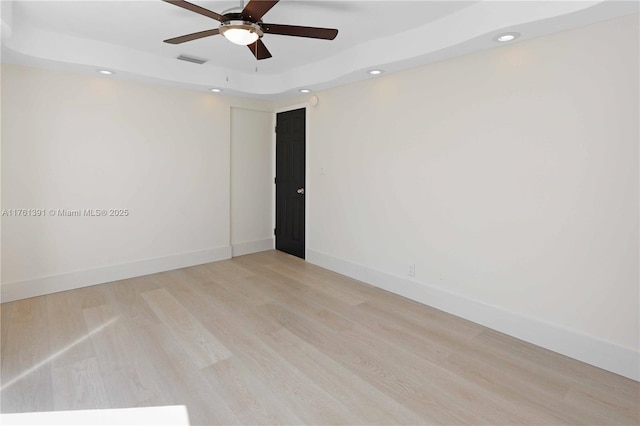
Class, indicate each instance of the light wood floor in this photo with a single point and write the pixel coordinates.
(268, 339)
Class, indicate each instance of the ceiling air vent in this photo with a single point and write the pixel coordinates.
(192, 59)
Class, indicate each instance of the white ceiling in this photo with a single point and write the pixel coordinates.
(126, 36)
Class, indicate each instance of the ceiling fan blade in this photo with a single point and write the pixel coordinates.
(259, 50)
(296, 31)
(197, 9)
(194, 36)
(255, 9)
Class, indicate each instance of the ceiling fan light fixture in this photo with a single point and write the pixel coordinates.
(241, 32)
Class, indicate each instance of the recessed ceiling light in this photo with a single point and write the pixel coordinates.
(375, 72)
(106, 72)
(216, 90)
(506, 37)
(305, 91)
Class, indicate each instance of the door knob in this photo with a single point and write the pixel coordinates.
(300, 191)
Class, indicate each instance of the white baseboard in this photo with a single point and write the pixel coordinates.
(16, 290)
(574, 344)
(240, 249)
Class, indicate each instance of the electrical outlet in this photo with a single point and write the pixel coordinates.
(411, 271)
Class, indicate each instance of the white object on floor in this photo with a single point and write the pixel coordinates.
(174, 415)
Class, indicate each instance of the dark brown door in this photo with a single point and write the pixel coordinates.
(290, 181)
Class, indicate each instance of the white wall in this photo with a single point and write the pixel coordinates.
(508, 177)
(72, 141)
(252, 203)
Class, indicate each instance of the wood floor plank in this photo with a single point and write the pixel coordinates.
(312, 302)
(388, 377)
(346, 283)
(242, 287)
(232, 267)
(92, 296)
(543, 407)
(277, 291)
(252, 400)
(412, 312)
(365, 401)
(126, 296)
(25, 370)
(558, 370)
(6, 311)
(200, 302)
(330, 287)
(125, 371)
(202, 347)
(79, 386)
(181, 382)
(497, 405)
(415, 337)
(595, 402)
(270, 339)
(432, 338)
(69, 341)
(260, 260)
(228, 295)
(312, 404)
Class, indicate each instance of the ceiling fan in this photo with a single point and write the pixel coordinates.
(246, 28)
